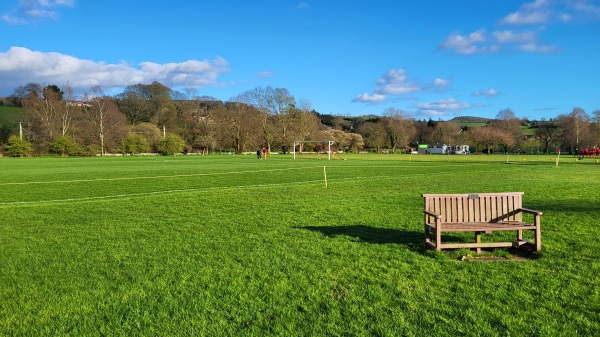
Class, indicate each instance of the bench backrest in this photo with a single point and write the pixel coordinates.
(480, 207)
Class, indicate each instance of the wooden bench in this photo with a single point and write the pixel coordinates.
(478, 213)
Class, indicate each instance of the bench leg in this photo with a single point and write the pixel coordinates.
(519, 235)
(478, 240)
(538, 239)
(438, 238)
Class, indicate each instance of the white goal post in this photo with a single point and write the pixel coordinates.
(329, 143)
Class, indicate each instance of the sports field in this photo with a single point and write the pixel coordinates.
(225, 245)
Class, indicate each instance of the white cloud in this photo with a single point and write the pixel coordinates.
(20, 65)
(265, 74)
(444, 104)
(395, 82)
(544, 12)
(366, 98)
(519, 18)
(533, 47)
(29, 11)
(509, 36)
(479, 42)
(586, 8)
(440, 84)
(466, 44)
(487, 93)
(445, 107)
(536, 12)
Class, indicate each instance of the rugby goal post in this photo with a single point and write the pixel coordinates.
(329, 143)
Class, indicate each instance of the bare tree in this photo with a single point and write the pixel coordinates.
(595, 128)
(263, 99)
(374, 135)
(307, 125)
(507, 121)
(70, 109)
(196, 118)
(284, 108)
(549, 134)
(489, 137)
(576, 132)
(239, 124)
(23, 91)
(43, 113)
(447, 133)
(399, 126)
(104, 119)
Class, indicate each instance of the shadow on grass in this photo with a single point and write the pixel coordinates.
(368, 234)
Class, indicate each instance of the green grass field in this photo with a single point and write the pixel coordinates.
(232, 246)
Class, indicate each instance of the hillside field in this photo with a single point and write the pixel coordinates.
(9, 115)
(224, 245)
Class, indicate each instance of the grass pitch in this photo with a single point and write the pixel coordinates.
(231, 245)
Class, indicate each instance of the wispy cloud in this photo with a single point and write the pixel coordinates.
(31, 11)
(546, 12)
(487, 93)
(444, 107)
(440, 84)
(479, 42)
(20, 65)
(586, 9)
(395, 82)
(473, 43)
(536, 12)
(527, 22)
(303, 5)
(265, 74)
(367, 98)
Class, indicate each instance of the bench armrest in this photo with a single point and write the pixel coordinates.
(530, 211)
(433, 214)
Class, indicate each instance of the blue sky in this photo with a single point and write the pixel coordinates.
(432, 58)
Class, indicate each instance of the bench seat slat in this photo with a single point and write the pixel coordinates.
(478, 226)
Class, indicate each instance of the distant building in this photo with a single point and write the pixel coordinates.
(78, 104)
(443, 149)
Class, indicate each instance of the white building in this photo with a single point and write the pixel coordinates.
(443, 149)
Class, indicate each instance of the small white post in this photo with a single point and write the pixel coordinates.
(20, 131)
(164, 131)
(325, 175)
(294, 150)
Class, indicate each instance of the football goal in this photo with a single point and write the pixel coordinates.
(318, 145)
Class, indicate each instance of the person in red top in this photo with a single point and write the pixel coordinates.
(264, 153)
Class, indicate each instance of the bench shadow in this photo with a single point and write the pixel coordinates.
(413, 241)
(373, 235)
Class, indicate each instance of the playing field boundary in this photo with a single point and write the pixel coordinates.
(221, 173)
(188, 190)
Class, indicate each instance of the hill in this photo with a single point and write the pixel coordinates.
(9, 115)
(471, 119)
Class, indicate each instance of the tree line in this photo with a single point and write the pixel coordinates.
(155, 118)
